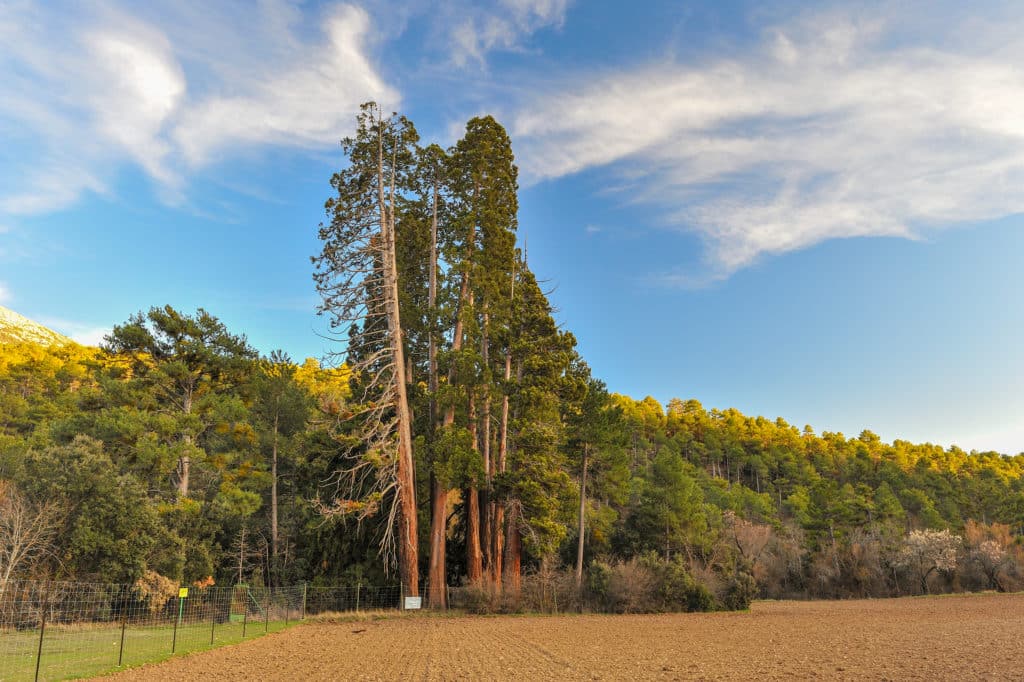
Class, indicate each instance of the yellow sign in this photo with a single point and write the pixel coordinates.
(182, 592)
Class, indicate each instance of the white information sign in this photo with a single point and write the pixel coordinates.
(413, 603)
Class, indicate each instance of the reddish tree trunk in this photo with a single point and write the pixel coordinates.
(408, 547)
(436, 591)
(439, 520)
(438, 594)
(486, 511)
(497, 507)
(474, 558)
(513, 554)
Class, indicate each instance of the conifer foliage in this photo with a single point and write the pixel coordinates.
(461, 436)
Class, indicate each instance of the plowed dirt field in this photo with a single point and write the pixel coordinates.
(941, 638)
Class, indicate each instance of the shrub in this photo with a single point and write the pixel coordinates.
(477, 599)
(155, 590)
(631, 588)
(740, 591)
(648, 584)
(675, 588)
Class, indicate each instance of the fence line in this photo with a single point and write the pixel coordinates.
(52, 630)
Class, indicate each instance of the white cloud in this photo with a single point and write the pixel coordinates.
(310, 103)
(168, 86)
(79, 332)
(830, 128)
(1007, 439)
(5, 294)
(90, 336)
(139, 85)
(502, 26)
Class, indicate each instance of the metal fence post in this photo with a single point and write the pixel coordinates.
(42, 629)
(304, 600)
(245, 617)
(124, 625)
(266, 613)
(174, 638)
(358, 585)
(213, 612)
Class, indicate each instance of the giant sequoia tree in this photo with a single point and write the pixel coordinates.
(357, 277)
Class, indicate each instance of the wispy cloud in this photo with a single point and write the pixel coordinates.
(310, 103)
(5, 293)
(500, 26)
(169, 87)
(834, 126)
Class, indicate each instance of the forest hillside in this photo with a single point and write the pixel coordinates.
(456, 438)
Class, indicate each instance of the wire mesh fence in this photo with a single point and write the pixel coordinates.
(320, 600)
(58, 630)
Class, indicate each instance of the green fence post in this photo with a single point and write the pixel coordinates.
(182, 591)
(266, 613)
(358, 585)
(304, 600)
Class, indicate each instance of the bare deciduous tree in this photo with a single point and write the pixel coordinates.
(27, 532)
(989, 547)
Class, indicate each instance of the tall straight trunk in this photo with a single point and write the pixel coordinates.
(408, 549)
(273, 490)
(437, 596)
(513, 536)
(241, 555)
(439, 518)
(497, 507)
(583, 510)
(432, 307)
(497, 515)
(513, 552)
(184, 469)
(185, 461)
(474, 558)
(487, 520)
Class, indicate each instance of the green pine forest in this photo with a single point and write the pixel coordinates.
(457, 438)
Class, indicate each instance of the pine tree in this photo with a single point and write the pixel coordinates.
(280, 411)
(185, 362)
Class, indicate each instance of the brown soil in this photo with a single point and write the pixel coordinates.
(959, 637)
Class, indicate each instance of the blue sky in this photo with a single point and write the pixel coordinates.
(811, 211)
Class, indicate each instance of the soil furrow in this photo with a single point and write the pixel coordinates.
(958, 637)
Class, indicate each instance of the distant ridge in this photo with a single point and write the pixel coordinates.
(15, 328)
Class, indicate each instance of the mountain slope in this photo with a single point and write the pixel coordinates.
(15, 327)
